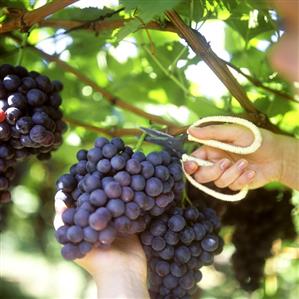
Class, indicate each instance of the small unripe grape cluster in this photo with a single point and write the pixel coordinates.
(177, 244)
(30, 120)
(114, 191)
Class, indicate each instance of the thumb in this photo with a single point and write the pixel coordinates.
(233, 134)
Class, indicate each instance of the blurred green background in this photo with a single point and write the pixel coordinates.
(156, 71)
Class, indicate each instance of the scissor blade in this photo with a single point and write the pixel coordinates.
(169, 142)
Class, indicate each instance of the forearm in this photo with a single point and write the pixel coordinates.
(121, 284)
(290, 162)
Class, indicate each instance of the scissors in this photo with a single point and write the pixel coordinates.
(175, 146)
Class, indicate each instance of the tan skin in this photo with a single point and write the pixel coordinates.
(120, 272)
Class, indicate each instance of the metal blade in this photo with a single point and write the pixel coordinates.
(173, 144)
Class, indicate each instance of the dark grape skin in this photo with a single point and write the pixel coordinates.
(116, 207)
(148, 169)
(84, 247)
(12, 115)
(199, 230)
(155, 158)
(116, 141)
(162, 268)
(146, 238)
(74, 234)
(133, 166)
(70, 251)
(17, 100)
(123, 178)
(81, 155)
(132, 210)
(66, 183)
(104, 166)
(90, 235)
(60, 234)
(158, 228)
(91, 182)
(178, 270)
(145, 202)
(122, 224)
(98, 197)
(24, 124)
(109, 150)
(187, 281)
(139, 156)
(11, 82)
(171, 237)
(107, 235)
(176, 223)
(81, 217)
(101, 141)
(94, 155)
(210, 243)
(153, 187)
(158, 243)
(99, 219)
(118, 162)
(187, 235)
(137, 182)
(162, 172)
(36, 97)
(170, 281)
(113, 189)
(167, 253)
(68, 216)
(127, 194)
(5, 132)
(183, 254)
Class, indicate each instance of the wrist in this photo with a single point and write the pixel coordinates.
(121, 281)
(289, 173)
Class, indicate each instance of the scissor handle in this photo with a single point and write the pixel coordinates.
(224, 146)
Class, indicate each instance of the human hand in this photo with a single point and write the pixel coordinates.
(233, 170)
(120, 270)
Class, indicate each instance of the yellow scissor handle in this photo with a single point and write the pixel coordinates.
(223, 146)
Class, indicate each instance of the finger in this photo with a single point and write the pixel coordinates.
(207, 174)
(231, 174)
(243, 180)
(209, 153)
(60, 207)
(234, 134)
(190, 167)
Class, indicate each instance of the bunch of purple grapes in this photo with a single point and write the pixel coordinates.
(177, 244)
(259, 219)
(30, 120)
(114, 191)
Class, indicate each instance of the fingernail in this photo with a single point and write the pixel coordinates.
(190, 166)
(191, 130)
(242, 164)
(250, 174)
(224, 164)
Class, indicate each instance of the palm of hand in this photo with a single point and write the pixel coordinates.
(124, 251)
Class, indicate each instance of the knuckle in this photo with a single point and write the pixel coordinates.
(220, 183)
(235, 187)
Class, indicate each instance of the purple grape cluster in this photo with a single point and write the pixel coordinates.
(30, 119)
(177, 244)
(259, 219)
(113, 191)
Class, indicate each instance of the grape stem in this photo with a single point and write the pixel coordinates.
(21, 48)
(186, 198)
(140, 142)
